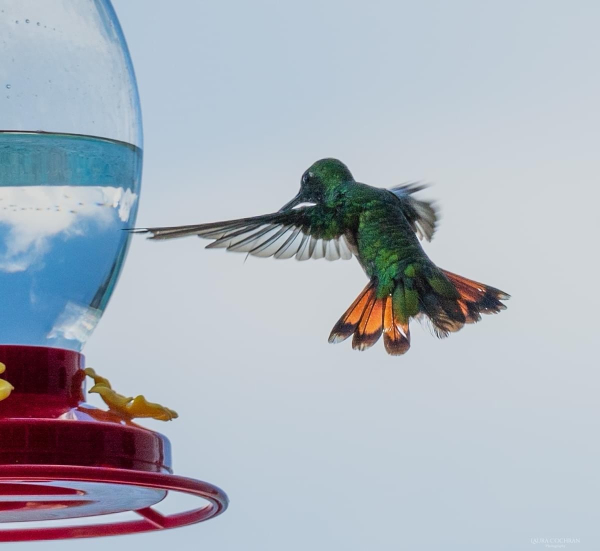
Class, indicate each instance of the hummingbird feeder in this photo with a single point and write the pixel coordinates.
(70, 170)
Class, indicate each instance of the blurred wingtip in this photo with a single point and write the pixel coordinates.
(141, 231)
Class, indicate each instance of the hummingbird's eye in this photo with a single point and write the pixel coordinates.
(307, 177)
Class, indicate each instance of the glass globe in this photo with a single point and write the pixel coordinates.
(70, 167)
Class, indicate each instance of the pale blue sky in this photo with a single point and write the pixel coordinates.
(481, 441)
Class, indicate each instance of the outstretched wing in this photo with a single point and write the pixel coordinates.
(421, 215)
(296, 232)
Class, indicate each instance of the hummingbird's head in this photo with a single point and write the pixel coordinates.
(322, 183)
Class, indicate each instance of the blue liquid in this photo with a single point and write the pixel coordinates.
(64, 200)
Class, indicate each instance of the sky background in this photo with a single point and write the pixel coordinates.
(484, 440)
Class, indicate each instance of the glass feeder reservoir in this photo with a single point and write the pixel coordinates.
(70, 169)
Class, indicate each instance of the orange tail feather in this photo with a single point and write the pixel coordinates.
(371, 325)
(396, 342)
(348, 323)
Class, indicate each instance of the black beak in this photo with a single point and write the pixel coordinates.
(293, 203)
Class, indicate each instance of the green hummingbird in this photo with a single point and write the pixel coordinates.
(333, 216)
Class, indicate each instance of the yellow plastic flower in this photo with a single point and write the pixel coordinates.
(128, 406)
(5, 387)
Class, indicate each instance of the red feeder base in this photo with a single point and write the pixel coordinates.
(61, 458)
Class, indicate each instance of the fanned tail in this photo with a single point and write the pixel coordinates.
(447, 299)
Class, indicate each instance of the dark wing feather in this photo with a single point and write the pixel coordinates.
(422, 215)
(282, 235)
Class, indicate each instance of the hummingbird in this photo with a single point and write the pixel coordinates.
(333, 216)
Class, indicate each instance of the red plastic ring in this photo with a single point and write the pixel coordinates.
(151, 519)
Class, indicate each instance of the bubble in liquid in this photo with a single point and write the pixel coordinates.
(26, 20)
(8, 86)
